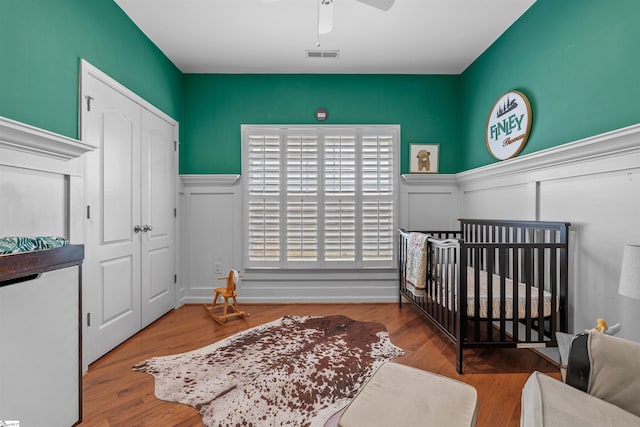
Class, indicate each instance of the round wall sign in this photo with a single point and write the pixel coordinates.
(508, 125)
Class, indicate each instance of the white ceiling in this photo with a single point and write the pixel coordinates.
(258, 36)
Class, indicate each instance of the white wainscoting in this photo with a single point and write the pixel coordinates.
(593, 183)
(429, 202)
(34, 203)
(211, 230)
(41, 188)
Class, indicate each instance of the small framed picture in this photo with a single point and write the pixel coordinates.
(423, 158)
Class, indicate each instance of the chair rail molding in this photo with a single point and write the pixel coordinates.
(221, 180)
(429, 179)
(609, 151)
(29, 147)
(20, 136)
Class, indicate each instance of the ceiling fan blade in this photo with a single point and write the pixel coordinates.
(325, 16)
(379, 4)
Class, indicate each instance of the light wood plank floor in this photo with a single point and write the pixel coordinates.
(116, 396)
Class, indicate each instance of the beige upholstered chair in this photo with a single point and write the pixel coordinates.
(602, 389)
(402, 396)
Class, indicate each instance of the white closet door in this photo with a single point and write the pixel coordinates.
(158, 169)
(112, 180)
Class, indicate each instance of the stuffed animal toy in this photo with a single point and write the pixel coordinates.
(603, 328)
(424, 161)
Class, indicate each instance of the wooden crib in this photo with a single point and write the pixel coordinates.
(490, 284)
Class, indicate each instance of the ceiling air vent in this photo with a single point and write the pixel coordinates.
(322, 54)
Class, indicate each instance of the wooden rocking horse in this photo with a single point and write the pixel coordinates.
(229, 292)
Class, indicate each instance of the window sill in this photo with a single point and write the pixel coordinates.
(298, 274)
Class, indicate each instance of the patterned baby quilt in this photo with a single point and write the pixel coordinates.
(12, 245)
(417, 259)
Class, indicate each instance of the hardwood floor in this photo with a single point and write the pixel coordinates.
(116, 396)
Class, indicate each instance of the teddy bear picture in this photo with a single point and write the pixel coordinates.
(424, 164)
(424, 158)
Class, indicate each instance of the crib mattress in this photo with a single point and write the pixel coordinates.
(495, 302)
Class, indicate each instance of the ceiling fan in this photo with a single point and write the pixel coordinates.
(325, 11)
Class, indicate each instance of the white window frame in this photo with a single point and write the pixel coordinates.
(392, 131)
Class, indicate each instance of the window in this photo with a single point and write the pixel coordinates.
(320, 197)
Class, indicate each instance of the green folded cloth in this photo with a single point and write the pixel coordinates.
(12, 245)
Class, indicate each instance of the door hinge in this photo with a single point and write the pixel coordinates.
(175, 145)
(88, 319)
(88, 212)
(88, 98)
(175, 278)
(175, 212)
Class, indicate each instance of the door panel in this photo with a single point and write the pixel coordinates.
(118, 156)
(159, 169)
(117, 285)
(112, 185)
(160, 261)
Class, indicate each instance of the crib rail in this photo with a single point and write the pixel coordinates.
(538, 267)
(436, 298)
(541, 260)
(520, 268)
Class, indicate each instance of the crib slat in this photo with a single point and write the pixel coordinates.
(401, 256)
(554, 292)
(490, 263)
(515, 266)
(541, 287)
(564, 280)
(441, 291)
(448, 290)
(476, 299)
(502, 271)
(434, 305)
(461, 315)
(527, 307)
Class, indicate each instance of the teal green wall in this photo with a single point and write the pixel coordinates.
(41, 43)
(216, 105)
(578, 62)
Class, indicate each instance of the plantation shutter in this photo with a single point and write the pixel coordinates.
(302, 196)
(320, 197)
(340, 172)
(377, 197)
(264, 197)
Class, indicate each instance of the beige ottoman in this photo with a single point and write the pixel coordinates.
(399, 395)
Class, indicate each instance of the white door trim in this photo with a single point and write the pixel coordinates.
(87, 69)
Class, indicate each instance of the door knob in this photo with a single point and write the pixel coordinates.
(147, 228)
(137, 229)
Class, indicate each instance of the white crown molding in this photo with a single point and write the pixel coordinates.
(30, 139)
(616, 143)
(429, 179)
(225, 180)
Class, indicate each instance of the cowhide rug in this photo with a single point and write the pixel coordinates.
(295, 371)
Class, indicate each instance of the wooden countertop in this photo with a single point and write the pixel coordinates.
(16, 266)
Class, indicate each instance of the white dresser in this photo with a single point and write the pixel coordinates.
(40, 337)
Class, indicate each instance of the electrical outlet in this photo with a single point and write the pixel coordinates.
(217, 267)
